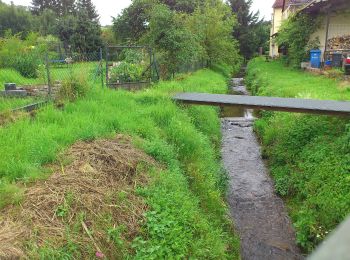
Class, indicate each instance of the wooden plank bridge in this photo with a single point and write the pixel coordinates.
(311, 106)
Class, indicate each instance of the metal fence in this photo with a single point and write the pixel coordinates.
(43, 76)
(40, 78)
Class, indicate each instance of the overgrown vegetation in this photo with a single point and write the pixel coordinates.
(75, 23)
(309, 156)
(195, 32)
(251, 31)
(187, 215)
(295, 35)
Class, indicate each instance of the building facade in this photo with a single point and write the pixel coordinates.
(334, 31)
(282, 9)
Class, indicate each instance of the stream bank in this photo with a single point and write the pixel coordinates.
(259, 214)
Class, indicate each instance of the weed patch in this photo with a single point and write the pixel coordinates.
(186, 214)
(309, 156)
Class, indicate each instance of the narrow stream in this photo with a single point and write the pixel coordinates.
(259, 214)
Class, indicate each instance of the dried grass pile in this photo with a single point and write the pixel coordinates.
(81, 202)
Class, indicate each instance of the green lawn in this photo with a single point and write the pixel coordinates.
(187, 216)
(309, 156)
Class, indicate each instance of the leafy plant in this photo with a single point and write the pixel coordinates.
(126, 72)
(115, 235)
(74, 87)
(19, 55)
(295, 34)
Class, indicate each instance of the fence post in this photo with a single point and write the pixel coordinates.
(107, 54)
(101, 66)
(48, 73)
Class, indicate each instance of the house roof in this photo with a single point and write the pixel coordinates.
(278, 4)
(287, 3)
(319, 6)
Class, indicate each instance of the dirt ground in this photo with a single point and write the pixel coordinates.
(89, 201)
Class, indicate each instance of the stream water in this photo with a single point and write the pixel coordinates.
(259, 214)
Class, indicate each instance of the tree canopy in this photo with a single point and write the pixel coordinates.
(251, 31)
(75, 22)
(182, 32)
(14, 20)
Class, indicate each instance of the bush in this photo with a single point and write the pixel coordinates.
(126, 72)
(74, 87)
(19, 55)
(223, 69)
(26, 64)
(295, 34)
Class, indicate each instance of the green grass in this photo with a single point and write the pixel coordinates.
(7, 104)
(12, 76)
(57, 73)
(309, 156)
(187, 216)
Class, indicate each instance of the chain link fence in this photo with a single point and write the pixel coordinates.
(27, 80)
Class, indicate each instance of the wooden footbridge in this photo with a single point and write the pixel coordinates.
(311, 106)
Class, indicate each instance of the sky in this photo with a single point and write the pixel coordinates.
(109, 8)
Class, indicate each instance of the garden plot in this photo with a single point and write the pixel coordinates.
(130, 67)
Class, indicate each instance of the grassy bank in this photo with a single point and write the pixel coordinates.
(187, 214)
(309, 156)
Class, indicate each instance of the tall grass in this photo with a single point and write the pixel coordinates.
(13, 76)
(309, 156)
(187, 217)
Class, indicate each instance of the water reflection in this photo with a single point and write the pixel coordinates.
(237, 87)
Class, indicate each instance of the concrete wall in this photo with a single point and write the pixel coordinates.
(339, 25)
(276, 24)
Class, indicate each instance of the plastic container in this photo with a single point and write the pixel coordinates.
(315, 58)
(328, 63)
(337, 58)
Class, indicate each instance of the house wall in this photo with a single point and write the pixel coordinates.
(276, 24)
(339, 25)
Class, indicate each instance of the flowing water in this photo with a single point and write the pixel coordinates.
(259, 214)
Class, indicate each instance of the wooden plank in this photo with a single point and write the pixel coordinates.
(322, 107)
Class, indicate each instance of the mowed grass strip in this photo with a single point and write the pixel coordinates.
(309, 156)
(187, 216)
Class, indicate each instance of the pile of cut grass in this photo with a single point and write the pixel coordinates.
(309, 156)
(187, 216)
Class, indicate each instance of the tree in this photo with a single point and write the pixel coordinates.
(60, 7)
(212, 23)
(186, 6)
(14, 19)
(89, 8)
(46, 23)
(133, 22)
(168, 33)
(248, 25)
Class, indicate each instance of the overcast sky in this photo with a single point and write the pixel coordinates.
(109, 8)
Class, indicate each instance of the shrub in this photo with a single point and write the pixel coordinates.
(295, 34)
(126, 72)
(19, 55)
(73, 87)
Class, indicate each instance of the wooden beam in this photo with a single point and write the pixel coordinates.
(322, 107)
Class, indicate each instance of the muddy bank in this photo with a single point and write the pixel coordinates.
(260, 216)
